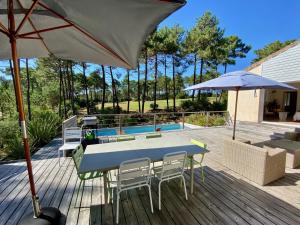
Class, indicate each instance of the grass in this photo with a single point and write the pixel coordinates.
(162, 104)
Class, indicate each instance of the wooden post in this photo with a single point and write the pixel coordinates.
(235, 112)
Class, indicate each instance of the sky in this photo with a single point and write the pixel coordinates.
(256, 22)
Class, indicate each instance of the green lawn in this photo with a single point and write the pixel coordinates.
(162, 104)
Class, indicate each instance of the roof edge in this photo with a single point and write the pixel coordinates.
(274, 54)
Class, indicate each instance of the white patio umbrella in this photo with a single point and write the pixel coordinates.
(238, 81)
(107, 32)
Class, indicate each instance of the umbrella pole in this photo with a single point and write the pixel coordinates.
(19, 98)
(235, 112)
(46, 215)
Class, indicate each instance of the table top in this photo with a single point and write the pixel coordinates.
(104, 157)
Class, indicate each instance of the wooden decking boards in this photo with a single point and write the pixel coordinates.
(224, 198)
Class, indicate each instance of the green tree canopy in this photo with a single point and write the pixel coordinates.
(269, 49)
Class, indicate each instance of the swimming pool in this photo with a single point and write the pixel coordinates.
(139, 129)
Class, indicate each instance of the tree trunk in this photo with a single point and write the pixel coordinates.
(86, 89)
(174, 84)
(14, 82)
(60, 90)
(138, 88)
(201, 76)
(195, 75)
(145, 82)
(28, 90)
(112, 88)
(155, 82)
(72, 88)
(103, 87)
(166, 83)
(63, 82)
(128, 91)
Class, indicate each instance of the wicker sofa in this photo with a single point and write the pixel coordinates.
(293, 136)
(261, 165)
(292, 150)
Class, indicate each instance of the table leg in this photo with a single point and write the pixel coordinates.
(192, 173)
(105, 187)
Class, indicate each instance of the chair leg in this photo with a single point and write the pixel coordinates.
(159, 195)
(118, 202)
(185, 192)
(150, 196)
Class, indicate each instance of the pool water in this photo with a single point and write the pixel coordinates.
(138, 129)
(106, 132)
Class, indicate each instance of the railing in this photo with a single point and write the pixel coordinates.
(194, 119)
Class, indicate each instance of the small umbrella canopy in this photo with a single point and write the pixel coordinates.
(108, 32)
(240, 80)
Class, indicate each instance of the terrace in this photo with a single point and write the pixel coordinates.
(224, 198)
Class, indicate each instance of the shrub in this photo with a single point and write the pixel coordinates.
(10, 139)
(218, 106)
(152, 106)
(204, 120)
(199, 105)
(43, 127)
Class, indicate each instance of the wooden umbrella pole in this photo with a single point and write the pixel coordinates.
(19, 98)
(235, 112)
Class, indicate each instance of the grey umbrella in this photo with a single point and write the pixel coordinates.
(237, 81)
(108, 32)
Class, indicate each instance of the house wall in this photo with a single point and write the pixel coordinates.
(284, 67)
(250, 103)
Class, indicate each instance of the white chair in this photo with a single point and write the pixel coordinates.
(72, 139)
(132, 174)
(172, 168)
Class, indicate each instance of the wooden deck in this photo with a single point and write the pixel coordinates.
(224, 198)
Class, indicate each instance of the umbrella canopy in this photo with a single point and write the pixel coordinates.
(240, 80)
(108, 32)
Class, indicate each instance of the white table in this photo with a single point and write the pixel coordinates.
(90, 120)
(282, 116)
(105, 157)
(296, 116)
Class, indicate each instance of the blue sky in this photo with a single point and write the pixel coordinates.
(256, 22)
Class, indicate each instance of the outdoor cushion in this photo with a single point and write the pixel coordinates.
(125, 138)
(153, 135)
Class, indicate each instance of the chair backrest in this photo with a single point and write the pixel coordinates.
(173, 164)
(199, 143)
(133, 172)
(77, 155)
(72, 134)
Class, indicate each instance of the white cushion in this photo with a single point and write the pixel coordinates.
(69, 146)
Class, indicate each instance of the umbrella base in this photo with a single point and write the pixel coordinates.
(49, 216)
